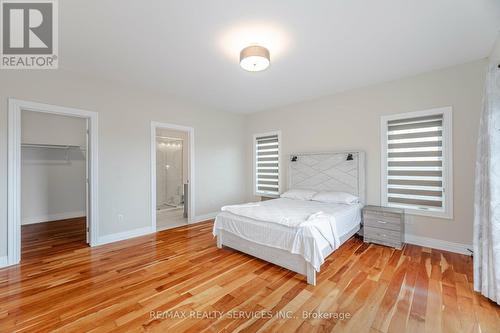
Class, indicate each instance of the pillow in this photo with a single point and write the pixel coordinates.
(335, 197)
(298, 194)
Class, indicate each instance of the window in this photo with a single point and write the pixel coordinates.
(417, 162)
(267, 164)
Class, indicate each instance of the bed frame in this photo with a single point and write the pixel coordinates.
(333, 171)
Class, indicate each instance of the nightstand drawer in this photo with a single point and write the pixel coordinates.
(381, 222)
(382, 234)
(384, 216)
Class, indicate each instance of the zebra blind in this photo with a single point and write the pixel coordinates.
(415, 163)
(267, 164)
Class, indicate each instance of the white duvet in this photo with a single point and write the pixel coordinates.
(308, 224)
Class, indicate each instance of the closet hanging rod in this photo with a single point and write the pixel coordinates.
(51, 146)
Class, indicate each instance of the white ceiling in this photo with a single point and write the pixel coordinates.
(190, 48)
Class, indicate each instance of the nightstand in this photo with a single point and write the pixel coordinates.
(384, 225)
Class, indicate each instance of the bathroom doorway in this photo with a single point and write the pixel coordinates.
(171, 161)
(170, 173)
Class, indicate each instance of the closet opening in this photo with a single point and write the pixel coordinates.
(171, 160)
(52, 185)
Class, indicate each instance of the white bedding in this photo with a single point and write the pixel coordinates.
(301, 227)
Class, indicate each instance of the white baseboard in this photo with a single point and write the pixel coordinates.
(202, 218)
(52, 217)
(439, 244)
(106, 239)
(4, 261)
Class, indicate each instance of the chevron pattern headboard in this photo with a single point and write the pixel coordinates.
(331, 171)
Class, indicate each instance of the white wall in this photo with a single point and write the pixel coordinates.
(351, 121)
(125, 114)
(53, 184)
(51, 188)
(46, 128)
(223, 150)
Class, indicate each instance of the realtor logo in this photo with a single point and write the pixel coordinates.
(29, 34)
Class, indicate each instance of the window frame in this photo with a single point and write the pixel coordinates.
(447, 148)
(256, 192)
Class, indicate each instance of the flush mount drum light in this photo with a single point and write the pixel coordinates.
(254, 58)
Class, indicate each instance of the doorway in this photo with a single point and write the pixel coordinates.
(53, 150)
(172, 176)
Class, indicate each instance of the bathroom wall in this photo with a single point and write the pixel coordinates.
(172, 166)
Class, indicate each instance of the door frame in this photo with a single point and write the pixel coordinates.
(15, 107)
(191, 181)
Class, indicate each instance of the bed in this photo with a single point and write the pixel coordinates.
(299, 234)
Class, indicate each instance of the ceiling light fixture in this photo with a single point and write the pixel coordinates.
(254, 58)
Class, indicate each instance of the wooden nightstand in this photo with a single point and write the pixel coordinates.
(384, 225)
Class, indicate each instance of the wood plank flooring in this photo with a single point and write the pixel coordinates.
(178, 281)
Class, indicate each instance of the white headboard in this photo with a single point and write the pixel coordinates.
(332, 171)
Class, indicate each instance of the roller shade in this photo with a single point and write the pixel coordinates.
(415, 163)
(267, 164)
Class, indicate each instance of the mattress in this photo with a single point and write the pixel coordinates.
(313, 246)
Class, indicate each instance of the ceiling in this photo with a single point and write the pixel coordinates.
(190, 48)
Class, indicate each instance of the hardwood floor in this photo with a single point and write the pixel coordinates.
(152, 282)
(51, 238)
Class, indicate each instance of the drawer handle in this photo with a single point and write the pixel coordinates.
(383, 222)
(383, 235)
